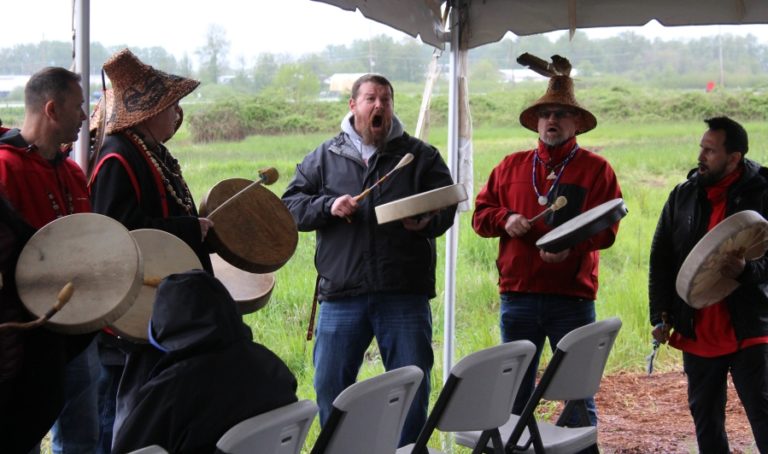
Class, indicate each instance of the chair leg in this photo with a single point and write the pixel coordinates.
(481, 442)
(498, 444)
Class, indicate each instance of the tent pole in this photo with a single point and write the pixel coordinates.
(82, 30)
(452, 236)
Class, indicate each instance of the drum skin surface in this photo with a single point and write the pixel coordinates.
(251, 291)
(254, 232)
(421, 203)
(699, 282)
(97, 254)
(583, 226)
(163, 254)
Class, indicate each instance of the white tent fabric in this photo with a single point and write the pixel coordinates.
(476, 22)
(488, 20)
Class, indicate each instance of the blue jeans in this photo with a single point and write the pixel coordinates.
(535, 316)
(402, 326)
(77, 428)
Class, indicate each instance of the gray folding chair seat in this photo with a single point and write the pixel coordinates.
(478, 395)
(573, 374)
(279, 431)
(154, 449)
(368, 416)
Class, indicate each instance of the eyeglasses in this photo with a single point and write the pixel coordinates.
(558, 113)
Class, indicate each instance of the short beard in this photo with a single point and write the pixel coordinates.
(370, 139)
(711, 178)
(553, 143)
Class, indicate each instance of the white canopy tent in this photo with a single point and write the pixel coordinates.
(472, 23)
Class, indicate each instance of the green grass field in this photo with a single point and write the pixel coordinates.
(649, 160)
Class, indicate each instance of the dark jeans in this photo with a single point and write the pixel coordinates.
(707, 395)
(402, 326)
(108, 381)
(536, 317)
(76, 429)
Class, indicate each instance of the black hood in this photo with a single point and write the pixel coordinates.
(13, 137)
(193, 310)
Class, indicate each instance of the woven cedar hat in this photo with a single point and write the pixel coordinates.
(140, 91)
(559, 92)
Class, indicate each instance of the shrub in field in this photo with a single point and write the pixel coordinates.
(220, 122)
(232, 120)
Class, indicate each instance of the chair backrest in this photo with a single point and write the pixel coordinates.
(369, 415)
(586, 349)
(279, 431)
(486, 385)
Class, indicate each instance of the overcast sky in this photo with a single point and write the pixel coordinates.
(252, 26)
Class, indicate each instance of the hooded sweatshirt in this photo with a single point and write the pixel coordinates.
(39, 189)
(209, 376)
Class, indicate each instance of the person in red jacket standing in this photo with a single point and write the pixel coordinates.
(543, 294)
(42, 183)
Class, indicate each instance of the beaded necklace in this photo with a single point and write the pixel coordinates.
(185, 201)
(544, 198)
(70, 208)
(55, 205)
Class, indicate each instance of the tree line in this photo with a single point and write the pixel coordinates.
(735, 61)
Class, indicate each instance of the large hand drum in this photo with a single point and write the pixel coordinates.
(699, 282)
(255, 231)
(422, 203)
(97, 254)
(583, 226)
(163, 254)
(251, 291)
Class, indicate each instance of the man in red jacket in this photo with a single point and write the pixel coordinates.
(42, 184)
(546, 294)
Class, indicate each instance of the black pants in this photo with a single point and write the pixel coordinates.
(707, 396)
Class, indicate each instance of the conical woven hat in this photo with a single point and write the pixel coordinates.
(140, 91)
(559, 92)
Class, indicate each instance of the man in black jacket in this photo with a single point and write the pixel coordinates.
(730, 335)
(375, 280)
(210, 374)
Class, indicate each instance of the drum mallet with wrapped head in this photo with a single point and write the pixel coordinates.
(267, 176)
(556, 205)
(65, 294)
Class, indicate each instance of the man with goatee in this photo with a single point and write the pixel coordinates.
(730, 335)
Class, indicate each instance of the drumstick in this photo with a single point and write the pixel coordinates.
(267, 176)
(65, 294)
(404, 161)
(152, 281)
(556, 205)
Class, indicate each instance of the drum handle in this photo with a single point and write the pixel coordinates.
(65, 294)
(556, 205)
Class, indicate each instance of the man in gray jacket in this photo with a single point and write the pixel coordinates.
(374, 280)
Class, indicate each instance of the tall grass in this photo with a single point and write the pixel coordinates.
(649, 160)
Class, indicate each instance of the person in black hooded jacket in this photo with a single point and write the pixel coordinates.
(730, 336)
(32, 362)
(210, 374)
